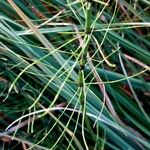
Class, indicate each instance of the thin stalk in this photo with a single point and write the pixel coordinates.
(88, 18)
(81, 79)
(132, 90)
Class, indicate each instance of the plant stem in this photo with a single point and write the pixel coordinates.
(81, 80)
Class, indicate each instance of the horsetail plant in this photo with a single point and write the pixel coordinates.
(81, 79)
(69, 79)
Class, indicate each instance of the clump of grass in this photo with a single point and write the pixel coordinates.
(74, 74)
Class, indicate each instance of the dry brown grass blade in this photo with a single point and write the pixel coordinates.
(134, 60)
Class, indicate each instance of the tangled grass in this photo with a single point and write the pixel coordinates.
(74, 74)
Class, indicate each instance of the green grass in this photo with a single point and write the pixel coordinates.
(74, 74)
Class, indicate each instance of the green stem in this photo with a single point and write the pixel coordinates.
(88, 18)
(81, 80)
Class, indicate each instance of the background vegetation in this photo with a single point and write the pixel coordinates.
(74, 74)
